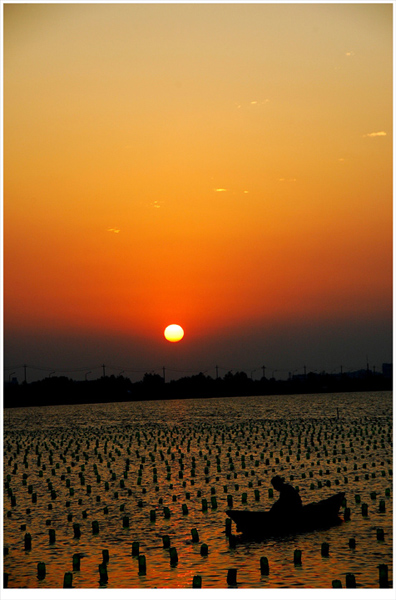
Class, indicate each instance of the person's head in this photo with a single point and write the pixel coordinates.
(277, 482)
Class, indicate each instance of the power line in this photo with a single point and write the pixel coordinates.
(124, 369)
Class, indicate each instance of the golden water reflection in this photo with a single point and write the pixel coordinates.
(132, 459)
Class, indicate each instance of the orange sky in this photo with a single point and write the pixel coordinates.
(225, 167)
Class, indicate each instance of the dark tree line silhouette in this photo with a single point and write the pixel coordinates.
(63, 390)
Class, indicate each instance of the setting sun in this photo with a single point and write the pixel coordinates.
(174, 333)
(241, 188)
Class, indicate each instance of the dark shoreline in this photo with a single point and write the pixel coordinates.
(62, 390)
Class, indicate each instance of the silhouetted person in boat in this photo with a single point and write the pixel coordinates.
(289, 505)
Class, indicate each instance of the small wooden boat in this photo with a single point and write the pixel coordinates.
(316, 515)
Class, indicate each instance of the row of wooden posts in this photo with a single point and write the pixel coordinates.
(350, 580)
(197, 580)
(230, 499)
(195, 537)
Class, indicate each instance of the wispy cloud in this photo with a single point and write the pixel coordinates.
(375, 134)
(253, 103)
(113, 230)
(233, 192)
(350, 53)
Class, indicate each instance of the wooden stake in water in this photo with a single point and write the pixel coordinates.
(383, 576)
(197, 581)
(325, 549)
(194, 534)
(76, 529)
(350, 581)
(103, 577)
(380, 534)
(68, 580)
(95, 527)
(142, 564)
(125, 522)
(297, 557)
(174, 559)
(264, 567)
(41, 570)
(135, 548)
(76, 562)
(232, 577)
(28, 541)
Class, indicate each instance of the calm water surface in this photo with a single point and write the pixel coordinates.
(109, 463)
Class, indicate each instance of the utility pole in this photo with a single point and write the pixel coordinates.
(217, 372)
(104, 370)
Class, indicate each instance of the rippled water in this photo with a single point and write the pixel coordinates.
(105, 462)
